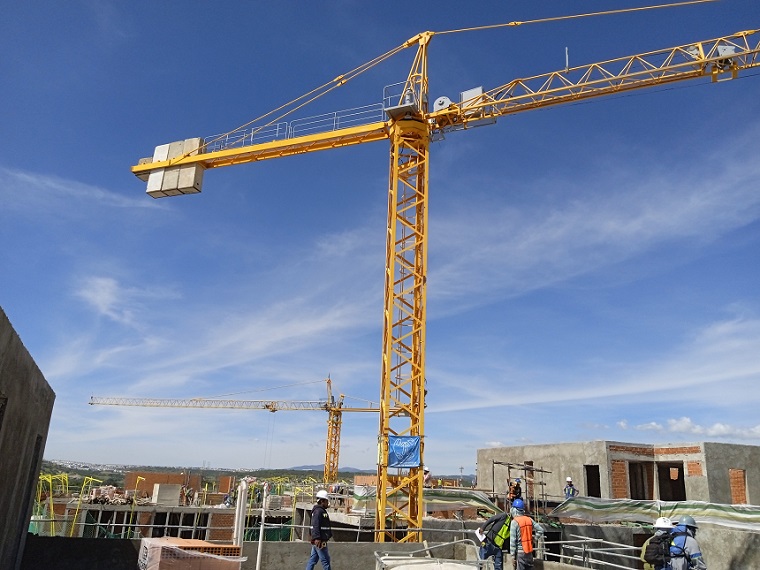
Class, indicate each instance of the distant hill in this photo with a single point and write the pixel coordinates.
(77, 471)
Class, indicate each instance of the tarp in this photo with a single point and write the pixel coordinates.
(593, 510)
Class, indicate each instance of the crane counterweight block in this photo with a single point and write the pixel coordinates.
(174, 180)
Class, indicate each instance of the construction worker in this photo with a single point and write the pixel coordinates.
(320, 532)
(515, 490)
(426, 479)
(495, 538)
(655, 552)
(521, 531)
(570, 491)
(685, 553)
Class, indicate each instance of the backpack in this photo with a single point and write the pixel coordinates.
(657, 551)
(681, 547)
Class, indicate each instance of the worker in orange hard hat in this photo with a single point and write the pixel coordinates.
(515, 491)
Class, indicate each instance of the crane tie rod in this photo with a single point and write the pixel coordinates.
(311, 96)
(576, 16)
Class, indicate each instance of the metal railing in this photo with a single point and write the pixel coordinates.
(588, 552)
(323, 123)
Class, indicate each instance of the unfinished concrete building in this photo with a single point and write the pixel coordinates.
(26, 404)
(711, 472)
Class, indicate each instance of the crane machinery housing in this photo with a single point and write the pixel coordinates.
(410, 124)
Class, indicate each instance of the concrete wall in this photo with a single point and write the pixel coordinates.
(115, 554)
(719, 458)
(26, 404)
(562, 460)
(724, 549)
(705, 468)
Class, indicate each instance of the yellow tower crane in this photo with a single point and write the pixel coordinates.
(410, 123)
(333, 407)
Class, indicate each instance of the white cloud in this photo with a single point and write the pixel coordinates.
(108, 298)
(52, 196)
(651, 426)
(686, 426)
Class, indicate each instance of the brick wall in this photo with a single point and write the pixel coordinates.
(651, 452)
(678, 450)
(226, 520)
(737, 479)
(694, 469)
(365, 480)
(632, 450)
(226, 483)
(619, 476)
(145, 486)
(650, 477)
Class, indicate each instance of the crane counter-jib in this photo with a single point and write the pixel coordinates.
(177, 168)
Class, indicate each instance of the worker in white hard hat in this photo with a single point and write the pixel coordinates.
(320, 532)
(655, 552)
(426, 478)
(570, 491)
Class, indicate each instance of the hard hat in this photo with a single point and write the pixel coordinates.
(663, 522)
(321, 494)
(425, 468)
(517, 480)
(688, 520)
(518, 504)
(569, 479)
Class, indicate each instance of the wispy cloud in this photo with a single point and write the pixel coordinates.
(720, 353)
(111, 299)
(40, 194)
(497, 250)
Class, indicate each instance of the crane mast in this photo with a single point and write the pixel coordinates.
(410, 127)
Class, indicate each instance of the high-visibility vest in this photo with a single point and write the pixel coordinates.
(503, 535)
(526, 533)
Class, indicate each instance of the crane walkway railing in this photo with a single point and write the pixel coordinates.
(284, 130)
(324, 123)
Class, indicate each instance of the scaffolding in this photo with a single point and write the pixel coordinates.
(534, 499)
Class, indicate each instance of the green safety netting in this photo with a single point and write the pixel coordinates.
(279, 534)
(594, 510)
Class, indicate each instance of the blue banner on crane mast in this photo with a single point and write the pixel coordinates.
(403, 451)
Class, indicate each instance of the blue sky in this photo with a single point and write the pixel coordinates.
(593, 267)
